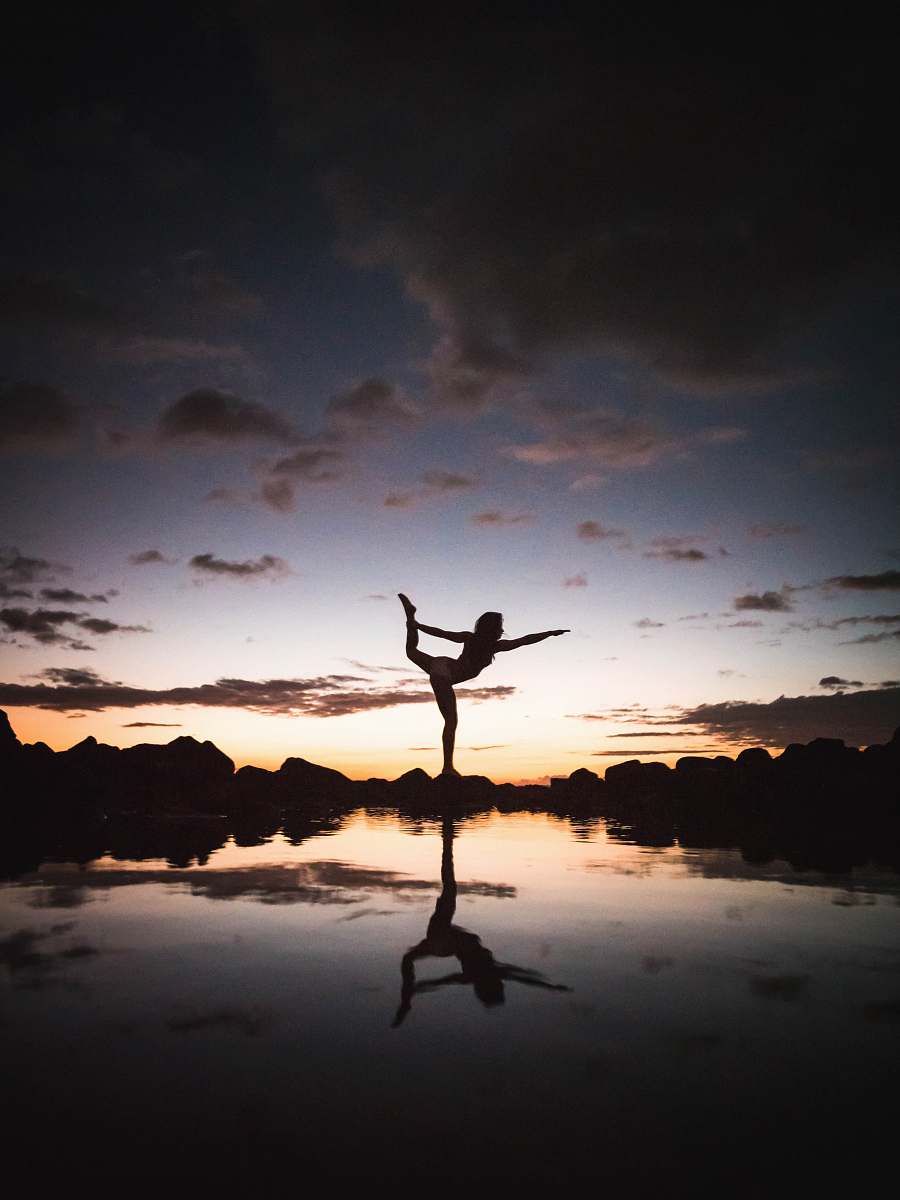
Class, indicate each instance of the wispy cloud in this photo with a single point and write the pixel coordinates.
(320, 696)
(885, 581)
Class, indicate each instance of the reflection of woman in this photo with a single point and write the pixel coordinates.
(479, 648)
(445, 940)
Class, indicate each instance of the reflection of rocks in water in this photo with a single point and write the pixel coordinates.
(822, 806)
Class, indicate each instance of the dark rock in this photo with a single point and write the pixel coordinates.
(299, 781)
(754, 760)
(9, 743)
(411, 785)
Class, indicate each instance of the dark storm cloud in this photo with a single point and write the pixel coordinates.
(218, 416)
(886, 581)
(54, 303)
(494, 517)
(67, 596)
(35, 416)
(144, 557)
(860, 718)
(322, 696)
(267, 565)
(371, 408)
(16, 567)
(581, 192)
(765, 602)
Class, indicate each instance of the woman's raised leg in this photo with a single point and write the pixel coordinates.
(413, 653)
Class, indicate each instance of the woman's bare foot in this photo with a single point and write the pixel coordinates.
(449, 772)
(408, 606)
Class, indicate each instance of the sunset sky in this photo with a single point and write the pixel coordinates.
(579, 328)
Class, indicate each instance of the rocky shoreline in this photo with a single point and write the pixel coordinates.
(821, 804)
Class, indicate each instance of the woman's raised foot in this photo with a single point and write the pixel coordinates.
(408, 606)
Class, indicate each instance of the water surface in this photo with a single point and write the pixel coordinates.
(577, 1006)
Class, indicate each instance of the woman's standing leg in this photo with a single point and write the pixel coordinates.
(446, 699)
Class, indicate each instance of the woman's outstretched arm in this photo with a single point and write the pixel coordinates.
(443, 633)
(529, 639)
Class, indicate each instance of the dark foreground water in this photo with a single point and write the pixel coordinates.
(576, 1007)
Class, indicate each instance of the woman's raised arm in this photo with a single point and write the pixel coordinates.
(529, 639)
(442, 633)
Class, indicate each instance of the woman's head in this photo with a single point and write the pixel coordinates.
(489, 626)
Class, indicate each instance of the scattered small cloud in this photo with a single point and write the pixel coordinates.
(16, 568)
(399, 500)
(494, 517)
(647, 623)
(594, 531)
(67, 596)
(576, 581)
(763, 602)
(152, 725)
(835, 681)
(447, 481)
(144, 558)
(310, 464)
(44, 625)
(266, 566)
(676, 549)
(775, 529)
(369, 409)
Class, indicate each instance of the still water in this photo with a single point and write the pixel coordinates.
(497, 999)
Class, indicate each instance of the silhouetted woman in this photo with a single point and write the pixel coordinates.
(478, 967)
(479, 648)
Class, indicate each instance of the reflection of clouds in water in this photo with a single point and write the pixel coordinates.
(246, 1021)
(26, 956)
(653, 964)
(731, 865)
(325, 882)
(887, 1012)
(780, 987)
